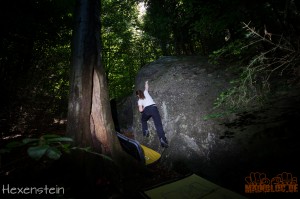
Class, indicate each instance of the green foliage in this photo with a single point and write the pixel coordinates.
(184, 27)
(49, 145)
(35, 61)
(245, 91)
(233, 51)
(216, 115)
(35, 51)
(277, 60)
(125, 49)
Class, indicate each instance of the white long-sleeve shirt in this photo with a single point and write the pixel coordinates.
(147, 101)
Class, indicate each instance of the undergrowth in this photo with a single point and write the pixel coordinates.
(262, 61)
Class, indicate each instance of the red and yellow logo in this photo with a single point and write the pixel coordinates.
(258, 182)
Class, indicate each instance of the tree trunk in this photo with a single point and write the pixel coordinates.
(89, 116)
(90, 121)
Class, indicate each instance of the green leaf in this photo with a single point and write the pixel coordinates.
(48, 136)
(60, 139)
(36, 152)
(53, 153)
(29, 140)
(86, 149)
(14, 144)
(2, 151)
(66, 147)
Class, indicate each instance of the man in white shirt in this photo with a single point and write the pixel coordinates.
(148, 109)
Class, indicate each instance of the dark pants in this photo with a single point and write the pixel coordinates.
(152, 111)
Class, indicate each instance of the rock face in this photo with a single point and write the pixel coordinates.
(184, 89)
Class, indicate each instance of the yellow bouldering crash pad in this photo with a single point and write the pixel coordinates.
(138, 151)
(151, 156)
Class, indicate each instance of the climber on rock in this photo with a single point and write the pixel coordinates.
(148, 109)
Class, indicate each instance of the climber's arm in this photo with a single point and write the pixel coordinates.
(141, 109)
(146, 86)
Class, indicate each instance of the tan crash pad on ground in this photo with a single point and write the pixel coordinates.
(191, 187)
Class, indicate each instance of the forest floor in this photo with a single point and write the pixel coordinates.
(80, 176)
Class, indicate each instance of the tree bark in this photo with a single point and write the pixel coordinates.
(90, 122)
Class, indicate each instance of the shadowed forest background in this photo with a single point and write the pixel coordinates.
(257, 40)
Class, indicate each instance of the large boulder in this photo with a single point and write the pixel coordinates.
(184, 89)
(224, 150)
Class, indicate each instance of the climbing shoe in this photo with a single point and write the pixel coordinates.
(164, 143)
